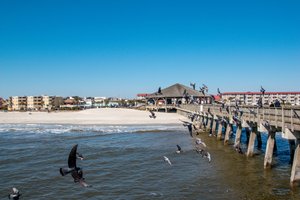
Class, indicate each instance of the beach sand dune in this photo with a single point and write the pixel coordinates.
(103, 116)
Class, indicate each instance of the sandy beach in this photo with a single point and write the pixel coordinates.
(105, 116)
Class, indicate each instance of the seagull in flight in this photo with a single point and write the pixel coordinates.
(262, 90)
(153, 116)
(252, 112)
(167, 160)
(190, 126)
(199, 141)
(15, 195)
(72, 168)
(239, 149)
(207, 155)
(178, 149)
(193, 85)
(219, 92)
(204, 153)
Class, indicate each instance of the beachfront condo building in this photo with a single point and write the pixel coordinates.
(34, 103)
(17, 103)
(252, 98)
(39, 102)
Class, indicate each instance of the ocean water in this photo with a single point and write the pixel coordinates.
(126, 162)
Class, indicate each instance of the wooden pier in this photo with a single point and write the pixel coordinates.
(269, 120)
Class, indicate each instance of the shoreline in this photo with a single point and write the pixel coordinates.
(101, 116)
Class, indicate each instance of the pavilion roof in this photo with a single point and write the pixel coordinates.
(176, 90)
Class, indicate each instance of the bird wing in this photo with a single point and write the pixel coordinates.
(83, 183)
(208, 156)
(168, 160)
(72, 157)
(185, 122)
(178, 147)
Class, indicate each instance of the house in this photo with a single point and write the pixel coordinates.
(142, 96)
(99, 102)
(3, 104)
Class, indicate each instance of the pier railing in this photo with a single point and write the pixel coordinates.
(285, 119)
(282, 118)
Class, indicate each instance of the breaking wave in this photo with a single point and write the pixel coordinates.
(100, 129)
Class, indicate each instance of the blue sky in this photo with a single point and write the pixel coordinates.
(124, 47)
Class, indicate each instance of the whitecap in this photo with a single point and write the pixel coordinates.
(82, 129)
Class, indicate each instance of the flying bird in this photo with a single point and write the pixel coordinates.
(159, 90)
(252, 112)
(262, 90)
(199, 141)
(219, 93)
(178, 149)
(189, 126)
(193, 85)
(205, 87)
(153, 116)
(207, 155)
(202, 90)
(239, 149)
(167, 160)
(15, 194)
(192, 116)
(72, 168)
(204, 153)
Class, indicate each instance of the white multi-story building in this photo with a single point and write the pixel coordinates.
(251, 98)
(17, 103)
(47, 102)
(30, 103)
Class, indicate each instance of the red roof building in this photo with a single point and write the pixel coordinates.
(251, 98)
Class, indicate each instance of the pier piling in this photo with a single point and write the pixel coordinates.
(253, 134)
(238, 134)
(213, 129)
(220, 129)
(269, 150)
(227, 134)
(295, 173)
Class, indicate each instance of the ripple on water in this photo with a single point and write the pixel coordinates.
(127, 163)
